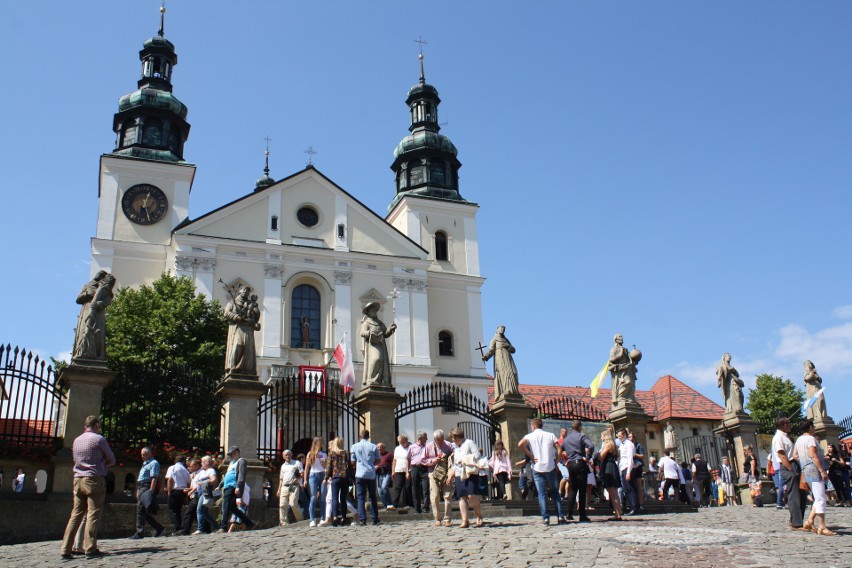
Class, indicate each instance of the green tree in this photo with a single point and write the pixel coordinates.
(168, 345)
(166, 321)
(773, 397)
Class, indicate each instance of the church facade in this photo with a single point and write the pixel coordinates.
(311, 251)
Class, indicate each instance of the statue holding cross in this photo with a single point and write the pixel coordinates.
(505, 372)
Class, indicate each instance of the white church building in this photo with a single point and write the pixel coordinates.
(311, 251)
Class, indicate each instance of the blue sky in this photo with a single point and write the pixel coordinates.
(678, 172)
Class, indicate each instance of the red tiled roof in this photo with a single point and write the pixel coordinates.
(25, 428)
(666, 394)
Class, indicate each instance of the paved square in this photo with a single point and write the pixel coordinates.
(725, 537)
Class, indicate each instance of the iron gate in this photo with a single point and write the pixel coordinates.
(32, 406)
(453, 399)
(301, 404)
(711, 448)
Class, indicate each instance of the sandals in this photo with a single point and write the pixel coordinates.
(479, 522)
(824, 531)
(464, 524)
(807, 527)
(448, 523)
(437, 523)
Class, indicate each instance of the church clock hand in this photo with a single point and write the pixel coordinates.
(145, 205)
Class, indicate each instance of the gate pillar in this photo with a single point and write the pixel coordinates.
(512, 415)
(377, 405)
(632, 417)
(239, 395)
(741, 429)
(86, 381)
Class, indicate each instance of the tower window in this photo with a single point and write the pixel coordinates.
(307, 216)
(305, 318)
(445, 344)
(152, 132)
(441, 248)
(274, 223)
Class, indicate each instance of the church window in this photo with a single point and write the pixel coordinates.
(305, 317)
(152, 133)
(129, 135)
(650, 435)
(441, 249)
(307, 216)
(436, 173)
(274, 223)
(695, 431)
(445, 344)
(449, 403)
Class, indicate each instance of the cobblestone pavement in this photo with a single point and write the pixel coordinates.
(735, 537)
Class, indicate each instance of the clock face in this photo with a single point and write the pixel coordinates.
(144, 204)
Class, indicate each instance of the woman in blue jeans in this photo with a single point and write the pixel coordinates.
(337, 471)
(314, 476)
(204, 479)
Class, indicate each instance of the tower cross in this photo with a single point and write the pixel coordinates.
(311, 153)
(266, 154)
(422, 42)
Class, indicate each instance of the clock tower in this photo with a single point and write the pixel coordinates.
(144, 182)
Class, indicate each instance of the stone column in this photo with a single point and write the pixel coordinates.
(377, 405)
(827, 431)
(631, 416)
(742, 430)
(86, 381)
(240, 395)
(512, 414)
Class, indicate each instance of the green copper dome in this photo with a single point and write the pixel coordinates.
(425, 139)
(153, 98)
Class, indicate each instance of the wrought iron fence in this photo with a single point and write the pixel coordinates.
(171, 406)
(302, 404)
(846, 424)
(453, 399)
(567, 408)
(711, 448)
(32, 406)
(768, 425)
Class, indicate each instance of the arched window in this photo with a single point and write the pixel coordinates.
(305, 317)
(152, 132)
(441, 249)
(445, 344)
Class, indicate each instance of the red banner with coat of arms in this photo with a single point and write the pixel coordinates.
(313, 380)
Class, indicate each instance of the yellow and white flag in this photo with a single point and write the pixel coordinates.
(596, 383)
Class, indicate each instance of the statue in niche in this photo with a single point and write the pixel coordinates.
(728, 379)
(243, 315)
(505, 372)
(622, 367)
(306, 332)
(377, 369)
(813, 383)
(90, 336)
(669, 437)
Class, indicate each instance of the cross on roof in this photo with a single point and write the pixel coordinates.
(311, 153)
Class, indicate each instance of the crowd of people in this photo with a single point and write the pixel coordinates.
(338, 486)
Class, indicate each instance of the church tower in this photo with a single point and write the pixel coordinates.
(429, 210)
(144, 182)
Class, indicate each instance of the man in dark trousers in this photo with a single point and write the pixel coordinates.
(701, 475)
(234, 485)
(177, 482)
(578, 449)
(147, 488)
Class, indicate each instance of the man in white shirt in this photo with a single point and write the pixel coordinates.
(541, 447)
(626, 451)
(780, 443)
(177, 482)
(782, 452)
(670, 474)
(288, 488)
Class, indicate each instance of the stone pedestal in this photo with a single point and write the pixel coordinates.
(742, 430)
(827, 431)
(512, 414)
(240, 394)
(631, 416)
(86, 380)
(377, 404)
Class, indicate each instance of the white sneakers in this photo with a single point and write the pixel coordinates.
(313, 523)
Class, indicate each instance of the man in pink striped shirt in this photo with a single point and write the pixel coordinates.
(92, 457)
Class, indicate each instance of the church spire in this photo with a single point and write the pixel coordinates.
(425, 161)
(151, 121)
(265, 181)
